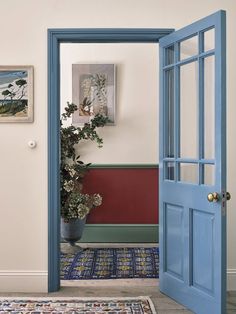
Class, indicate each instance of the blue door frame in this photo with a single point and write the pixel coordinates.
(55, 38)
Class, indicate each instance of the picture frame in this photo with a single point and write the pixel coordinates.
(16, 93)
(93, 91)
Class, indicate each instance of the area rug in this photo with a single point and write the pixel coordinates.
(136, 305)
(110, 263)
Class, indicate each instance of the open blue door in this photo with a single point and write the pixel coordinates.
(193, 165)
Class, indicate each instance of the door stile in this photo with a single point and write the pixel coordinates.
(162, 150)
(220, 42)
(177, 111)
(201, 125)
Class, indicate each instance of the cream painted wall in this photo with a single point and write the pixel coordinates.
(134, 138)
(23, 180)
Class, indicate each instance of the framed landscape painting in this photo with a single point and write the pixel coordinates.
(16, 93)
(93, 91)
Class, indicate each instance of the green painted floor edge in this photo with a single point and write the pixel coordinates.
(121, 233)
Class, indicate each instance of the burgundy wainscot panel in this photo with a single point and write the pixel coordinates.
(130, 195)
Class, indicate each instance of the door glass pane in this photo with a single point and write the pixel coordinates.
(209, 174)
(169, 119)
(169, 170)
(189, 47)
(209, 39)
(209, 107)
(169, 55)
(189, 110)
(188, 172)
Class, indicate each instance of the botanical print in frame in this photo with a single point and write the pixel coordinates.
(93, 91)
(16, 93)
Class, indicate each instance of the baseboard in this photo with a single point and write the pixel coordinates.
(23, 281)
(37, 281)
(231, 279)
(120, 233)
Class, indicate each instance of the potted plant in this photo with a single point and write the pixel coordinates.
(75, 205)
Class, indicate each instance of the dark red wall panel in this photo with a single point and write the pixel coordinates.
(130, 195)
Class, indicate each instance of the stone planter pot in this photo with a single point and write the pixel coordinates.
(72, 230)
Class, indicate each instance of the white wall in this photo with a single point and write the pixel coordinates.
(23, 180)
(134, 138)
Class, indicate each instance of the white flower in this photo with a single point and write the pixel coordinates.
(72, 172)
(97, 200)
(82, 211)
(67, 167)
(68, 185)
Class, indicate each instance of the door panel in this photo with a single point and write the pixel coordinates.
(202, 239)
(193, 164)
(174, 233)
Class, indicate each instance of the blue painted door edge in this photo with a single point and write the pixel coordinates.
(55, 37)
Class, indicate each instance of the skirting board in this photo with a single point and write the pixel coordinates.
(23, 281)
(120, 233)
(37, 281)
(231, 279)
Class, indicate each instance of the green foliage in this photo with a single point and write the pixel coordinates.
(12, 107)
(21, 82)
(75, 204)
(86, 103)
(99, 81)
(16, 92)
(6, 92)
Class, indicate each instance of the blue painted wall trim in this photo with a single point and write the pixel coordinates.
(109, 35)
(55, 37)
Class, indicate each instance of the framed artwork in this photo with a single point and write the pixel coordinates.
(93, 91)
(16, 93)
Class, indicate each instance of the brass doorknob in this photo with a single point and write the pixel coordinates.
(213, 197)
(228, 196)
